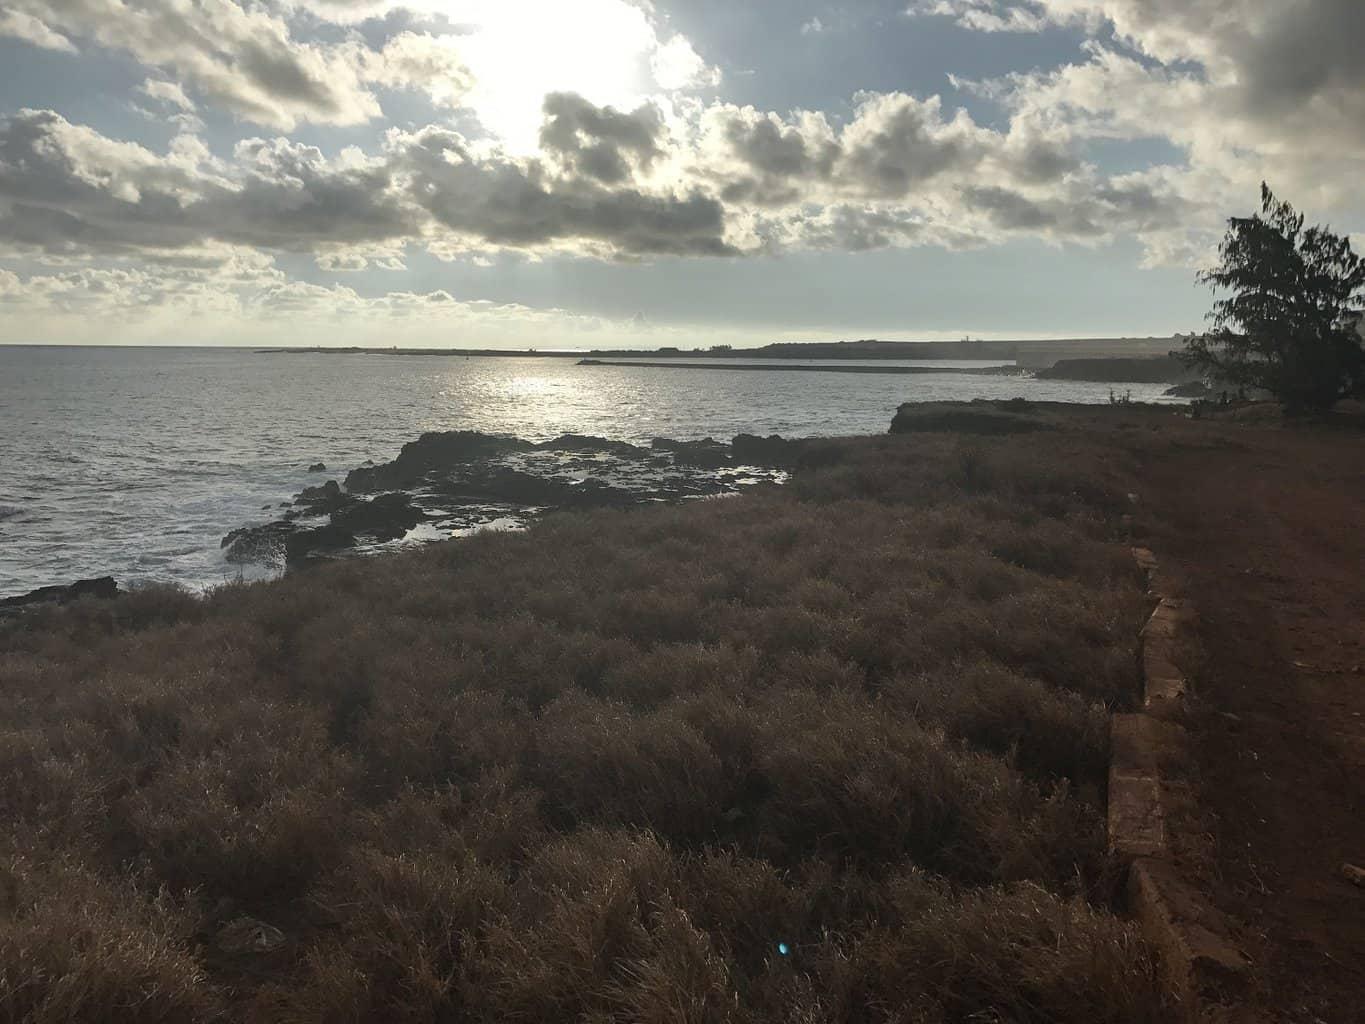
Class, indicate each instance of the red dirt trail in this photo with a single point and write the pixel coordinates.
(1265, 530)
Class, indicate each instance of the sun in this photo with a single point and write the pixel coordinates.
(521, 50)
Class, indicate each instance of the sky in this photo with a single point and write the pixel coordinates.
(609, 173)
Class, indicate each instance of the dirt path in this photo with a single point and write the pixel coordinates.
(1268, 537)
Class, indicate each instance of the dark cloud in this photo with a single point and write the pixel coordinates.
(69, 188)
(66, 188)
(506, 202)
(780, 150)
(848, 228)
(1014, 211)
(1304, 53)
(1082, 211)
(898, 142)
(601, 143)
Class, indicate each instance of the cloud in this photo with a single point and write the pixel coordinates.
(676, 65)
(610, 184)
(1243, 90)
(240, 298)
(1276, 74)
(175, 107)
(985, 15)
(67, 189)
(1266, 62)
(664, 177)
(495, 199)
(169, 93)
(243, 59)
(282, 63)
(846, 227)
(601, 143)
(355, 258)
(426, 63)
(23, 25)
(896, 148)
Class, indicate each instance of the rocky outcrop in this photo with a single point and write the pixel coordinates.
(707, 453)
(501, 484)
(289, 541)
(978, 417)
(773, 450)
(263, 545)
(303, 545)
(324, 500)
(386, 517)
(585, 443)
(457, 481)
(101, 588)
(432, 451)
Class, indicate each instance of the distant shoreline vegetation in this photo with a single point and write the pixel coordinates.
(1139, 370)
(807, 367)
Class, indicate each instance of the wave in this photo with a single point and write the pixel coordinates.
(9, 512)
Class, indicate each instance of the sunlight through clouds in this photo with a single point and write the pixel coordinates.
(520, 51)
(472, 146)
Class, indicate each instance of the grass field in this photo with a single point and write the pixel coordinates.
(830, 752)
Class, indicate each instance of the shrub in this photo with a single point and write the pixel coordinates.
(828, 752)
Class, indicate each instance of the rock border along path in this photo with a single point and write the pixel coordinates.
(1149, 789)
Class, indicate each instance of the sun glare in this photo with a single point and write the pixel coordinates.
(520, 50)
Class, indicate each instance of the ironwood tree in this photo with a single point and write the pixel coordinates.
(1292, 308)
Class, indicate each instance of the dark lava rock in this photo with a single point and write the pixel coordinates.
(263, 544)
(499, 484)
(978, 417)
(321, 500)
(103, 588)
(302, 545)
(707, 453)
(433, 451)
(502, 485)
(596, 445)
(598, 494)
(386, 517)
(318, 467)
(773, 450)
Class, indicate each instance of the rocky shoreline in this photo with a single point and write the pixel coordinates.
(101, 588)
(453, 483)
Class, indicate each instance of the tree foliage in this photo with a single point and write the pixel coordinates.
(1288, 323)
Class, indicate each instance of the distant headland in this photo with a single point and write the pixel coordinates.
(1026, 354)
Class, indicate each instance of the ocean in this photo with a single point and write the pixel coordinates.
(135, 462)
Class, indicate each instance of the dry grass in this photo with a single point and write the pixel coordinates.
(600, 770)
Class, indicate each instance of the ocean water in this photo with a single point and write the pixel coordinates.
(135, 462)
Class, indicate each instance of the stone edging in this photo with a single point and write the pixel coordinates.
(1148, 789)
